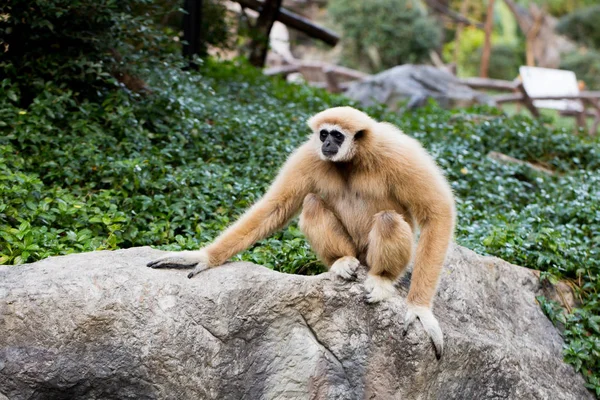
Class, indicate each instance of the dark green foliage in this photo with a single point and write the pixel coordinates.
(381, 34)
(174, 168)
(558, 8)
(84, 166)
(504, 62)
(586, 66)
(582, 26)
(76, 44)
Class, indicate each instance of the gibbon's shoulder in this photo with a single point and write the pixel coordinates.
(389, 139)
(303, 160)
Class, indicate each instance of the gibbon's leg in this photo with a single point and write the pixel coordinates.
(431, 253)
(389, 252)
(328, 237)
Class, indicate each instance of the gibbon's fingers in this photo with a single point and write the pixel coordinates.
(345, 267)
(199, 268)
(180, 259)
(430, 324)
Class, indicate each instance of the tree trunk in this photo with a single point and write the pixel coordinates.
(260, 35)
(192, 21)
(487, 47)
(532, 34)
(546, 47)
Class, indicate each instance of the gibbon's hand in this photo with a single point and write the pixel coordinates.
(429, 322)
(183, 259)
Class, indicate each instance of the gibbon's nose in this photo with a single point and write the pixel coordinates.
(329, 149)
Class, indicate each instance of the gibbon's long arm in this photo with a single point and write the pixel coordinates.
(270, 213)
(434, 241)
(283, 199)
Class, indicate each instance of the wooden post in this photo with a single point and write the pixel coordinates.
(259, 44)
(528, 102)
(487, 47)
(192, 21)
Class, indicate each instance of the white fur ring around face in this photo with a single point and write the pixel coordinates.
(430, 324)
(378, 288)
(345, 267)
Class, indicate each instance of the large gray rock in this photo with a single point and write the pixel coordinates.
(415, 84)
(103, 326)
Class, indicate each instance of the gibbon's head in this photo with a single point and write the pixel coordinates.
(338, 132)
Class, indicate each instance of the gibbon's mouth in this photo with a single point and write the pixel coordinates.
(329, 153)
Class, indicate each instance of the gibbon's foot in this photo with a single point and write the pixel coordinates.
(429, 322)
(182, 259)
(378, 288)
(345, 267)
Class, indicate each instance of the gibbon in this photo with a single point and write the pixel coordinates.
(364, 188)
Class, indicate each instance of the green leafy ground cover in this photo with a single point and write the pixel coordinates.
(173, 168)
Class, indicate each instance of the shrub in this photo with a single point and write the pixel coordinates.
(81, 45)
(174, 168)
(582, 26)
(85, 167)
(505, 60)
(586, 66)
(381, 34)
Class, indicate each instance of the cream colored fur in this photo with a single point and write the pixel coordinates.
(364, 203)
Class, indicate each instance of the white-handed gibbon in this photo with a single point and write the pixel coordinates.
(364, 188)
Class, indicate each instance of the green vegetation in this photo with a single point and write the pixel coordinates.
(88, 162)
(380, 34)
(175, 168)
(586, 65)
(582, 26)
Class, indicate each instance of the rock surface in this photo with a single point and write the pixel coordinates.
(415, 83)
(103, 326)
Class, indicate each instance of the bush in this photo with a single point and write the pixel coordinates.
(505, 61)
(176, 167)
(381, 34)
(82, 45)
(85, 167)
(582, 26)
(586, 66)
(559, 8)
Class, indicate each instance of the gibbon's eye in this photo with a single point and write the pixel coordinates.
(338, 136)
(323, 135)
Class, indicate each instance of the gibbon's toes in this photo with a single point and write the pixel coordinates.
(430, 324)
(345, 267)
(378, 288)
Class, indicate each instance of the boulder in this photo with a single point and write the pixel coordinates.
(415, 84)
(102, 325)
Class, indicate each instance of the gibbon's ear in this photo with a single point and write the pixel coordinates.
(358, 135)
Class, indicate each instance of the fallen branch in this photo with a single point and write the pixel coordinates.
(503, 158)
(488, 83)
(297, 22)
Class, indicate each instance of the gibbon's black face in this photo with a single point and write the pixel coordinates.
(332, 140)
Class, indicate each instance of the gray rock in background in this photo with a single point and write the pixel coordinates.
(103, 326)
(415, 84)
